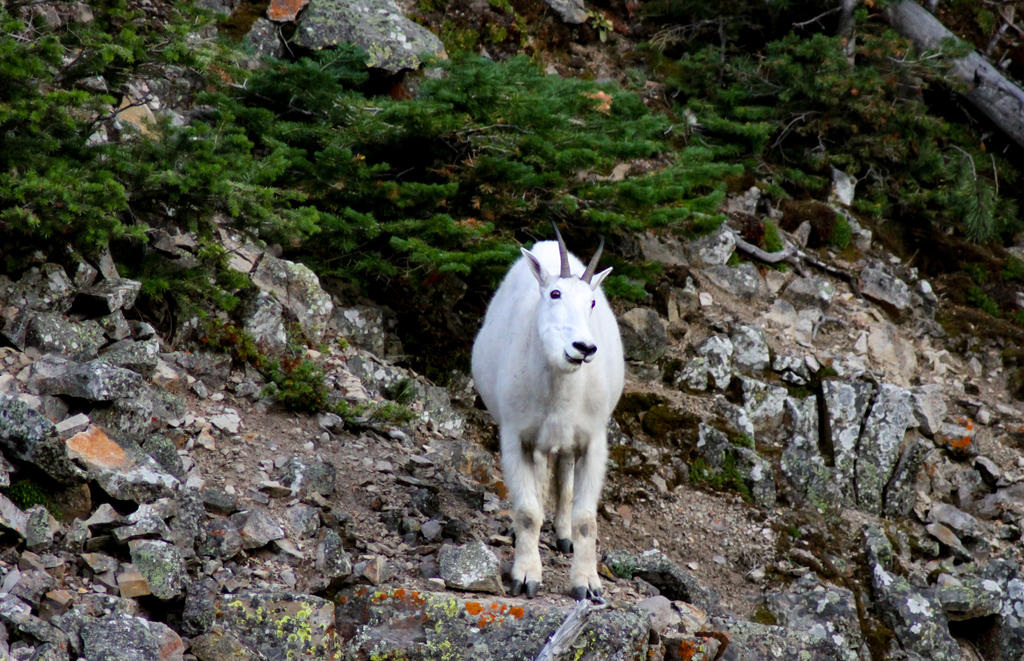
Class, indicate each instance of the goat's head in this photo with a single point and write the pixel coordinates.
(565, 307)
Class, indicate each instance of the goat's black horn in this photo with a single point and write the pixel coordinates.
(563, 252)
(592, 266)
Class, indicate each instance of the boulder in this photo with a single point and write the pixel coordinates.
(28, 436)
(120, 468)
(472, 567)
(392, 42)
(294, 285)
(644, 335)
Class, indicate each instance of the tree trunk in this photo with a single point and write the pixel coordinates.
(1001, 100)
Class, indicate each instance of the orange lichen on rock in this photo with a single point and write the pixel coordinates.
(95, 448)
(474, 607)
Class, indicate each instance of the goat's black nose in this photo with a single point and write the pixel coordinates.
(584, 348)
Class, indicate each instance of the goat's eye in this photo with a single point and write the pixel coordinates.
(556, 293)
(592, 304)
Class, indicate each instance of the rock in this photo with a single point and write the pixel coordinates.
(120, 467)
(50, 332)
(644, 335)
(573, 12)
(714, 361)
(917, 620)
(219, 539)
(810, 290)
(227, 421)
(131, 583)
(264, 37)
(302, 521)
(846, 404)
(106, 297)
(970, 598)
(743, 281)
(956, 519)
(929, 408)
(713, 249)
(40, 528)
(764, 403)
(96, 381)
(882, 287)
(333, 565)
(671, 580)
(17, 615)
(257, 528)
(139, 356)
(443, 626)
(129, 638)
(146, 521)
(825, 611)
(162, 566)
(28, 436)
(392, 42)
(262, 319)
(762, 641)
(45, 287)
(270, 625)
(895, 355)
(750, 349)
(385, 380)
(370, 328)
(879, 444)
(165, 453)
(199, 611)
(901, 492)
(472, 567)
(11, 517)
(285, 10)
(307, 476)
(843, 186)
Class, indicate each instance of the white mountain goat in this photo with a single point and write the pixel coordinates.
(548, 365)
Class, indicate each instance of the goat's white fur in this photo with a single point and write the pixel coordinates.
(551, 394)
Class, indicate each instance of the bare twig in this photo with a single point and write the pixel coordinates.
(817, 18)
(570, 629)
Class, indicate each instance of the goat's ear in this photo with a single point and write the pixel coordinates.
(595, 282)
(538, 271)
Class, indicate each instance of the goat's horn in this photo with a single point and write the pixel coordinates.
(563, 252)
(592, 266)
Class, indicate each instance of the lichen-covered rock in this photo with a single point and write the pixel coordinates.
(472, 567)
(28, 436)
(270, 625)
(743, 281)
(762, 642)
(713, 361)
(40, 528)
(644, 336)
(161, 564)
(263, 320)
(846, 403)
(120, 467)
(332, 563)
(305, 476)
(257, 527)
(810, 290)
(672, 580)
(139, 356)
(824, 611)
(764, 403)
(879, 444)
(96, 381)
(392, 42)
(432, 403)
(369, 327)
(713, 249)
(884, 288)
(124, 637)
(106, 297)
(50, 332)
(219, 538)
(750, 349)
(420, 626)
(916, 619)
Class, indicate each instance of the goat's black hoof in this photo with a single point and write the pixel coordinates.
(564, 545)
(579, 593)
(596, 596)
(532, 587)
(517, 587)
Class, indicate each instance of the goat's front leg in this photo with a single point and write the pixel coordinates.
(564, 468)
(524, 474)
(589, 477)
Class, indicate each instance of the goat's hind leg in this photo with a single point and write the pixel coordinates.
(589, 477)
(524, 475)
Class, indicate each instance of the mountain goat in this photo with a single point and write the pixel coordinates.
(548, 365)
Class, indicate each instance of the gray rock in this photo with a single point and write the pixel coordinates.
(302, 521)
(17, 615)
(433, 401)
(264, 37)
(270, 625)
(219, 538)
(28, 436)
(139, 356)
(750, 349)
(826, 612)
(764, 403)
(497, 629)
(843, 187)
(369, 327)
(751, 641)
(810, 290)
(472, 567)
(956, 519)
(900, 496)
(106, 297)
(162, 566)
(31, 585)
(791, 369)
(644, 335)
(970, 598)
(40, 528)
(124, 637)
(743, 281)
(884, 288)
(146, 521)
(307, 476)
(46, 288)
(802, 464)
(165, 453)
(199, 611)
(211, 368)
(263, 320)
(11, 516)
(573, 12)
(713, 361)
(391, 41)
(120, 468)
(257, 528)
(714, 249)
(51, 332)
(929, 408)
(916, 619)
(332, 563)
(96, 381)
(671, 580)
(846, 404)
(879, 444)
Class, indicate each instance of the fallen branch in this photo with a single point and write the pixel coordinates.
(564, 636)
(794, 256)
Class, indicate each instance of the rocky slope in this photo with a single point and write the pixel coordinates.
(805, 464)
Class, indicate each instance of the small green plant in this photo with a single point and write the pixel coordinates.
(772, 241)
(1013, 270)
(26, 493)
(978, 298)
(841, 234)
(727, 478)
